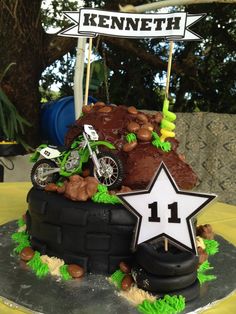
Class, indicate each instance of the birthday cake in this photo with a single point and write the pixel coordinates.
(79, 219)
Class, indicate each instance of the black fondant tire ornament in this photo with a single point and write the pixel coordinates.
(154, 283)
(157, 261)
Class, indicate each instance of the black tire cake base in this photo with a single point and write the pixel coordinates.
(95, 236)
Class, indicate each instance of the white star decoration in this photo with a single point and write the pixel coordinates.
(165, 211)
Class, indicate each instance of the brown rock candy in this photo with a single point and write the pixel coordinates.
(105, 109)
(125, 268)
(158, 117)
(27, 254)
(75, 271)
(129, 146)
(133, 127)
(132, 110)
(142, 117)
(127, 282)
(144, 135)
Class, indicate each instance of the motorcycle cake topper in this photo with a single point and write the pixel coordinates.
(51, 163)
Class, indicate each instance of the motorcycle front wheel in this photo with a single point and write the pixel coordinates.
(38, 178)
(112, 172)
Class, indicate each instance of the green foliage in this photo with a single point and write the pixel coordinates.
(210, 84)
(167, 305)
(103, 196)
(64, 272)
(11, 122)
(48, 95)
(131, 137)
(212, 246)
(201, 272)
(117, 278)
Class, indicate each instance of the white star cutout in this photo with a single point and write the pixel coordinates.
(165, 211)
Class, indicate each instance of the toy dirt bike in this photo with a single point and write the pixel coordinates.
(107, 167)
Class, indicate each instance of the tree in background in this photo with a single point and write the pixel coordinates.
(202, 73)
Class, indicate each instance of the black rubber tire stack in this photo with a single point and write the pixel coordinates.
(95, 236)
(173, 272)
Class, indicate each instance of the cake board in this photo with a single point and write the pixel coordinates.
(21, 289)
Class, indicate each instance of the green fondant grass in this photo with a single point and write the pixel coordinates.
(167, 305)
(22, 239)
(117, 278)
(64, 272)
(41, 269)
(201, 273)
(131, 137)
(103, 196)
(212, 246)
(165, 146)
(20, 222)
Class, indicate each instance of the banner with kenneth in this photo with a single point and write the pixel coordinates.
(92, 22)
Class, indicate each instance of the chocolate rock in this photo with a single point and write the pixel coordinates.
(86, 109)
(142, 117)
(205, 231)
(51, 187)
(99, 104)
(125, 268)
(203, 256)
(158, 117)
(27, 254)
(132, 110)
(144, 135)
(148, 126)
(91, 188)
(133, 127)
(105, 109)
(129, 146)
(75, 271)
(127, 282)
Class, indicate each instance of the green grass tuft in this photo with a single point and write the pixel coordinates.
(201, 273)
(165, 146)
(212, 246)
(41, 269)
(22, 239)
(131, 137)
(64, 272)
(103, 196)
(117, 278)
(167, 305)
(20, 222)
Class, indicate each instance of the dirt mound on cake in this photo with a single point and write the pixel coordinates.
(140, 158)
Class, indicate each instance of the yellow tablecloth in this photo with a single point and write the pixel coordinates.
(221, 216)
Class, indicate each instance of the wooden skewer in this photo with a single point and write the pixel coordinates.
(167, 95)
(88, 72)
(169, 69)
(166, 244)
